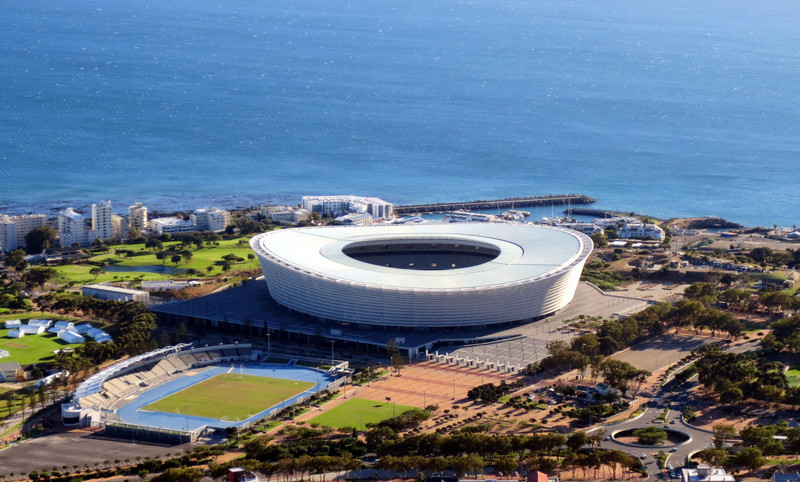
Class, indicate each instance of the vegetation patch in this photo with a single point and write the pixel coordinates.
(352, 412)
(793, 375)
(230, 396)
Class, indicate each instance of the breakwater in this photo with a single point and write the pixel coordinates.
(507, 203)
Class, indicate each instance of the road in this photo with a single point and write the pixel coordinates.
(699, 440)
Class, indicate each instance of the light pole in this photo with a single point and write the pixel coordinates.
(269, 345)
(332, 364)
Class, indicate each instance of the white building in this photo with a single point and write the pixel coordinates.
(285, 214)
(340, 205)
(705, 473)
(210, 219)
(631, 228)
(82, 229)
(355, 219)
(102, 225)
(167, 285)
(120, 227)
(8, 235)
(105, 292)
(171, 226)
(586, 228)
(13, 229)
(72, 228)
(137, 217)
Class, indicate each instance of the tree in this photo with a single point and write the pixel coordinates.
(651, 435)
(714, 457)
(600, 239)
(39, 276)
(179, 475)
(95, 271)
(723, 433)
(731, 396)
(40, 238)
(16, 260)
(751, 458)
(398, 362)
(176, 258)
(620, 374)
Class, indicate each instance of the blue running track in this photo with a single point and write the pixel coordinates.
(133, 413)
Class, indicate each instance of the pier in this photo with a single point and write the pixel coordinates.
(512, 202)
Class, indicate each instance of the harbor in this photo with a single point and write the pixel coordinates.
(506, 203)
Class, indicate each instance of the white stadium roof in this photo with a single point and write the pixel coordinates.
(536, 270)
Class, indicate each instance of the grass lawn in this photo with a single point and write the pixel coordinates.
(230, 396)
(793, 374)
(349, 413)
(202, 258)
(31, 348)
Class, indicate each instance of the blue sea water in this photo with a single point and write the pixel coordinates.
(675, 108)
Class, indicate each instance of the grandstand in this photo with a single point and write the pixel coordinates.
(99, 394)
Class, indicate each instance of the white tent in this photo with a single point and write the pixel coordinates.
(13, 323)
(71, 337)
(15, 333)
(3, 353)
(82, 328)
(40, 322)
(31, 329)
(63, 325)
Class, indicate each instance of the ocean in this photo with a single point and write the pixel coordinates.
(676, 108)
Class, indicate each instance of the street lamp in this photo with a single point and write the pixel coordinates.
(332, 364)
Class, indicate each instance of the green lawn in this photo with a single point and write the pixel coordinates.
(31, 348)
(793, 375)
(230, 396)
(201, 259)
(349, 413)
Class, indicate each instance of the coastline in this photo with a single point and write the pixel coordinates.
(184, 204)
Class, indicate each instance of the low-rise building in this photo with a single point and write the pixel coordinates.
(210, 219)
(11, 372)
(106, 292)
(290, 216)
(167, 285)
(171, 226)
(355, 219)
(705, 473)
(336, 206)
(628, 227)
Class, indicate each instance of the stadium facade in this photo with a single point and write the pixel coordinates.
(437, 275)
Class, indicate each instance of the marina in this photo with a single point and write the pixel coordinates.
(506, 203)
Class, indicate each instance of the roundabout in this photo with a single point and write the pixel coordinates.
(677, 453)
(674, 438)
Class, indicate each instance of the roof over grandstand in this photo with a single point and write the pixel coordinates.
(526, 252)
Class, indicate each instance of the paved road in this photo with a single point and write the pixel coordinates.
(699, 440)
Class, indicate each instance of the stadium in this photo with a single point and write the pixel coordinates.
(179, 393)
(426, 276)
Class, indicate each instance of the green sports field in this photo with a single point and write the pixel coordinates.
(349, 413)
(31, 348)
(793, 375)
(230, 396)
